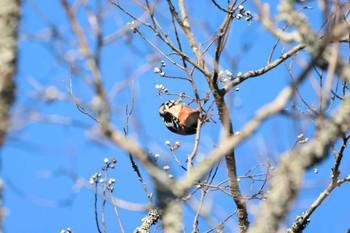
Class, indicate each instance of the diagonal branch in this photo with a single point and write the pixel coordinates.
(302, 221)
(255, 73)
(91, 62)
(287, 180)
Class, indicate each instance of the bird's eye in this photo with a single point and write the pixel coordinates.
(170, 103)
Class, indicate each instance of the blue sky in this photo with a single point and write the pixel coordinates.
(39, 153)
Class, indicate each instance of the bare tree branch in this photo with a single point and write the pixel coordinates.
(302, 221)
(9, 21)
(287, 180)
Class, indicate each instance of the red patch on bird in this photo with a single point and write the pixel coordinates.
(184, 113)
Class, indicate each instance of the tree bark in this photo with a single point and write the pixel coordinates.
(9, 20)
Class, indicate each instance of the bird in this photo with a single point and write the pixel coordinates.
(179, 118)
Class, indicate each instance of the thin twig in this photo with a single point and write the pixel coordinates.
(133, 163)
(104, 201)
(116, 212)
(77, 104)
(199, 209)
(95, 207)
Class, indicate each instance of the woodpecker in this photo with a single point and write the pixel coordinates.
(179, 118)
